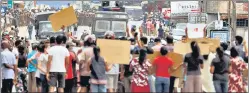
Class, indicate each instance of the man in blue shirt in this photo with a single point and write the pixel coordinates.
(32, 64)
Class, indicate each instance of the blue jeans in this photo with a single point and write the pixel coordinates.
(220, 86)
(98, 88)
(162, 84)
(44, 83)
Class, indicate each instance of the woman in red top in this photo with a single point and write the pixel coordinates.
(69, 76)
(162, 65)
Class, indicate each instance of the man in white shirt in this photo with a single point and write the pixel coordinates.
(56, 68)
(9, 68)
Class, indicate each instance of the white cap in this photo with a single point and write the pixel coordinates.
(90, 36)
(110, 33)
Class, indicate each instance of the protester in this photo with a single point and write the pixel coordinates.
(9, 70)
(16, 31)
(15, 49)
(34, 58)
(193, 63)
(161, 64)
(42, 66)
(52, 41)
(158, 44)
(30, 30)
(236, 68)
(21, 85)
(184, 39)
(98, 67)
(140, 67)
(112, 75)
(32, 64)
(149, 27)
(160, 32)
(83, 57)
(170, 48)
(220, 69)
(225, 48)
(69, 83)
(143, 45)
(12, 32)
(241, 46)
(56, 67)
(126, 74)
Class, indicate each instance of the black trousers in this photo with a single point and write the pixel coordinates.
(69, 86)
(7, 85)
(172, 83)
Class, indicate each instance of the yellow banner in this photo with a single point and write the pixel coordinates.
(65, 17)
(114, 51)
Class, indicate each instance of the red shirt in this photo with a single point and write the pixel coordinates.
(162, 64)
(70, 67)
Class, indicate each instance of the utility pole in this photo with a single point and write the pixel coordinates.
(229, 19)
(0, 42)
(234, 21)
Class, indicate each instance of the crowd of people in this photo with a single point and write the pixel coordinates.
(59, 64)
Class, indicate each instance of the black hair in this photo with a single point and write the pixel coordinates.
(132, 39)
(52, 39)
(142, 56)
(67, 46)
(34, 46)
(163, 51)
(239, 39)
(77, 43)
(122, 38)
(184, 36)
(144, 40)
(234, 53)
(220, 53)
(157, 39)
(89, 43)
(41, 48)
(169, 39)
(21, 49)
(42, 42)
(59, 39)
(195, 49)
(64, 39)
(96, 51)
(18, 42)
(224, 46)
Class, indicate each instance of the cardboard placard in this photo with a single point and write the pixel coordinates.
(204, 49)
(65, 17)
(182, 48)
(114, 51)
(177, 60)
(212, 42)
(152, 57)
